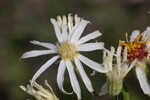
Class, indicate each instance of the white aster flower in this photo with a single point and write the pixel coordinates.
(68, 32)
(138, 47)
(117, 68)
(39, 92)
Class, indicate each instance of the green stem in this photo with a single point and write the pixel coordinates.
(125, 93)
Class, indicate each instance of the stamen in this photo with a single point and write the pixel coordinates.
(127, 37)
(138, 37)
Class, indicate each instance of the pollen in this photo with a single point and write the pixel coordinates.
(67, 51)
(136, 49)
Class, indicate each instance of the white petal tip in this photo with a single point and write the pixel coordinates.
(79, 97)
(23, 56)
(23, 88)
(148, 28)
(99, 33)
(65, 92)
(85, 21)
(52, 20)
(103, 70)
(34, 42)
(101, 45)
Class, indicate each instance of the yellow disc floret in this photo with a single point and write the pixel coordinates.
(67, 51)
(136, 48)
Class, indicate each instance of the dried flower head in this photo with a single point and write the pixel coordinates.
(39, 92)
(117, 68)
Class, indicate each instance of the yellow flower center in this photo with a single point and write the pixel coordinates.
(67, 51)
(136, 48)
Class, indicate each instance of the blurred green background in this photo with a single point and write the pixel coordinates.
(24, 20)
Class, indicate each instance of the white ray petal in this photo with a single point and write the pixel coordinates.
(43, 68)
(64, 32)
(148, 31)
(60, 76)
(143, 80)
(72, 31)
(35, 53)
(43, 44)
(146, 34)
(90, 36)
(64, 29)
(57, 30)
(131, 66)
(91, 46)
(77, 19)
(134, 35)
(84, 76)
(73, 79)
(148, 45)
(93, 65)
(79, 30)
(70, 24)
